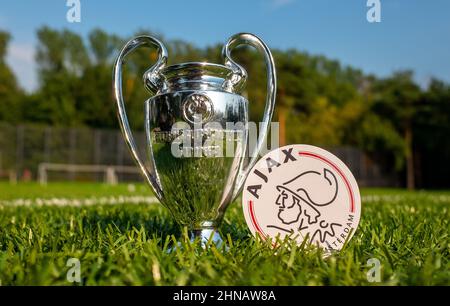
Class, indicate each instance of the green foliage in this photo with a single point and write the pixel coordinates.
(129, 244)
(103, 46)
(4, 39)
(376, 133)
(10, 94)
(321, 101)
(431, 130)
(397, 97)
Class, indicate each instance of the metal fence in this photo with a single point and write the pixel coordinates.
(366, 171)
(24, 147)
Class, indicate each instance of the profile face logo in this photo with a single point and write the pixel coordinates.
(299, 202)
(302, 192)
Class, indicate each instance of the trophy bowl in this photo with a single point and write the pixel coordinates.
(196, 125)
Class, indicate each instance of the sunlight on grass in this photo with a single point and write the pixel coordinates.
(128, 244)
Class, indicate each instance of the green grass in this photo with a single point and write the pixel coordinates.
(67, 190)
(127, 244)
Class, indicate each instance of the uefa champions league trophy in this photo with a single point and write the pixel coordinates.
(196, 188)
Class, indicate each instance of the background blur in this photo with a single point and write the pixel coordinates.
(376, 94)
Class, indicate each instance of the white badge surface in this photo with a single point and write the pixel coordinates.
(300, 191)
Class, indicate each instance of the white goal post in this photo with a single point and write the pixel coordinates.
(110, 171)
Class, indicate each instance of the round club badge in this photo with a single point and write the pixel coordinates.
(302, 191)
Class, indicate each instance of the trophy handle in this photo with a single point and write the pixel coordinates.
(254, 41)
(152, 82)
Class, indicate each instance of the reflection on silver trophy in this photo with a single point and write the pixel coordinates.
(202, 100)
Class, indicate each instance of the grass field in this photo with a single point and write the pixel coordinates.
(126, 244)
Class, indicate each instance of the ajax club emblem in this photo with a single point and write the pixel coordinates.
(302, 191)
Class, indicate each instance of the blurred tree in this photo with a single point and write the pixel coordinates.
(61, 58)
(431, 130)
(75, 81)
(182, 52)
(319, 101)
(104, 46)
(10, 93)
(319, 127)
(397, 99)
(94, 96)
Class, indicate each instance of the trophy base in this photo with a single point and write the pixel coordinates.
(206, 236)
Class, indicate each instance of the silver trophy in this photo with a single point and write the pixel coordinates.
(196, 188)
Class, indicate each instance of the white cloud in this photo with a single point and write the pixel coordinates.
(21, 59)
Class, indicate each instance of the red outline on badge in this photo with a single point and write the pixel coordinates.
(254, 221)
(312, 155)
(349, 189)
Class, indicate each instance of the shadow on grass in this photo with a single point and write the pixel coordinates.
(157, 222)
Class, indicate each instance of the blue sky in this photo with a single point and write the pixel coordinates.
(412, 34)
